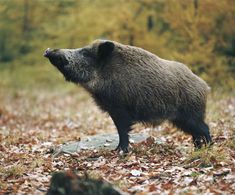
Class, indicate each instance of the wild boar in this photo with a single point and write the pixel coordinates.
(134, 85)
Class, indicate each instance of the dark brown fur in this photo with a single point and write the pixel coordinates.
(134, 85)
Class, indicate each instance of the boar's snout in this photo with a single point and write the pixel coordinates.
(47, 52)
(56, 57)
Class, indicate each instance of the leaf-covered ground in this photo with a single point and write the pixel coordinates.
(33, 122)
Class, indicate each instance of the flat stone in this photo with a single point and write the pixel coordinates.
(101, 141)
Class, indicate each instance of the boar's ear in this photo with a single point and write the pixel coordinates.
(105, 49)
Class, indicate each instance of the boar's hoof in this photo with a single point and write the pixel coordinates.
(120, 148)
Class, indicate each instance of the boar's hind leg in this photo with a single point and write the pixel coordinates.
(123, 124)
(198, 129)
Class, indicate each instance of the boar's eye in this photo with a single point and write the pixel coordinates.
(86, 53)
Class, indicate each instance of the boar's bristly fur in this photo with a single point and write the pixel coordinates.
(134, 85)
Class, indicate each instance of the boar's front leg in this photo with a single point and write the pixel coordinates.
(123, 122)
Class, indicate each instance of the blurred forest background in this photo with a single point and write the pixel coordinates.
(39, 111)
(199, 33)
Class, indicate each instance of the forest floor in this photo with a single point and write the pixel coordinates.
(33, 122)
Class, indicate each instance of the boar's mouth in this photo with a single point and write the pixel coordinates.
(56, 57)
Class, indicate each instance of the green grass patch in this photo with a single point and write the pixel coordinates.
(207, 156)
(12, 171)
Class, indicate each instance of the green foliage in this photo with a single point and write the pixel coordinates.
(199, 33)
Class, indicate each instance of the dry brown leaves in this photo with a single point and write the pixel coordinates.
(31, 124)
